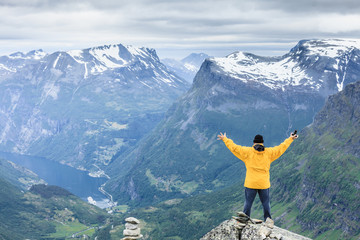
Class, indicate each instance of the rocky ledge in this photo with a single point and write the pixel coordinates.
(244, 228)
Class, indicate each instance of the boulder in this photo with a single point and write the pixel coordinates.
(132, 220)
(131, 226)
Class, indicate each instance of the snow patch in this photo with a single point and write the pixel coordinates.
(56, 60)
(135, 51)
(39, 55)
(273, 74)
(3, 67)
(115, 125)
(108, 56)
(77, 55)
(145, 84)
(331, 47)
(191, 67)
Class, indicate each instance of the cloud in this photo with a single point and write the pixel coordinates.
(187, 25)
(312, 6)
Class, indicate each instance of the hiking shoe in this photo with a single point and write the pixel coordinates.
(241, 219)
(269, 223)
(242, 214)
(257, 221)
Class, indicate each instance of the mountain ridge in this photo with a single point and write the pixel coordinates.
(100, 96)
(285, 71)
(325, 160)
(181, 156)
(186, 67)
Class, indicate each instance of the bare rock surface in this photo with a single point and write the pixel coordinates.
(235, 229)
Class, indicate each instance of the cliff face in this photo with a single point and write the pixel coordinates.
(318, 179)
(231, 230)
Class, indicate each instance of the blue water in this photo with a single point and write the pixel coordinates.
(76, 181)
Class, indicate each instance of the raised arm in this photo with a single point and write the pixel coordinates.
(277, 151)
(239, 151)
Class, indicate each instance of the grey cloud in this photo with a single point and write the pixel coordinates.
(33, 3)
(203, 21)
(334, 6)
(186, 24)
(308, 6)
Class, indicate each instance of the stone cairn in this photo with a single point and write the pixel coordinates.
(132, 231)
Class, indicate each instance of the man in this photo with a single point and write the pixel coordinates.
(257, 161)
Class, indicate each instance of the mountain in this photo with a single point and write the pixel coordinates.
(18, 175)
(315, 184)
(243, 95)
(187, 67)
(10, 215)
(322, 171)
(83, 107)
(48, 212)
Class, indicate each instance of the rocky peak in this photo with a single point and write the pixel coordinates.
(195, 59)
(108, 57)
(188, 66)
(34, 54)
(324, 66)
(326, 47)
(245, 228)
(14, 62)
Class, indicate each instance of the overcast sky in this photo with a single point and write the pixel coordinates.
(175, 28)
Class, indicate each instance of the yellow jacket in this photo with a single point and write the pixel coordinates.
(257, 163)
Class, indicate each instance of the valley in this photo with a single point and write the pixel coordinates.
(114, 126)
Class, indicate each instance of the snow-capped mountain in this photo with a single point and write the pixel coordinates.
(307, 65)
(187, 67)
(16, 61)
(243, 95)
(82, 107)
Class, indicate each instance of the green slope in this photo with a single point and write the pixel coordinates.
(18, 175)
(321, 174)
(45, 212)
(18, 219)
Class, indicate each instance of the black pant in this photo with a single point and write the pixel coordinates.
(264, 195)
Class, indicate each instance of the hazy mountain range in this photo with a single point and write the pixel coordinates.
(186, 67)
(83, 107)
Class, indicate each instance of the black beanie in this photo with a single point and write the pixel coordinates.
(258, 139)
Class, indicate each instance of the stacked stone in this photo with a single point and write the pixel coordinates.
(132, 231)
